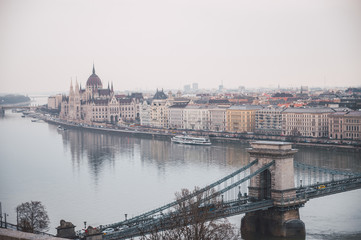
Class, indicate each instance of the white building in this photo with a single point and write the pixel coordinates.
(154, 113)
(218, 118)
(175, 116)
(196, 117)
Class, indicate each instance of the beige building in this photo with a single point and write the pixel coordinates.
(130, 106)
(345, 125)
(54, 102)
(241, 118)
(306, 122)
(352, 125)
(335, 125)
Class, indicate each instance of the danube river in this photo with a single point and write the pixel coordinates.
(81, 175)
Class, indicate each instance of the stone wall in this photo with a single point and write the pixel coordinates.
(9, 234)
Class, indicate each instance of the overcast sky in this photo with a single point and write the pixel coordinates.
(166, 44)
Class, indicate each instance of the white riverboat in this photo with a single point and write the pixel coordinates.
(193, 140)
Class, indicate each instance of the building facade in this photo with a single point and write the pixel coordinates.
(196, 117)
(154, 113)
(306, 122)
(145, 113)
(54, 102)
(269, 121)
(130, 107)
(175, 116)
(218, 118)
(352, 125)
(241, 118)
(91, 105)
(345, 125)
(335, 125)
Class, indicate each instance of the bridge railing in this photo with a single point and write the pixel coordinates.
(308, 175)
(331, 187)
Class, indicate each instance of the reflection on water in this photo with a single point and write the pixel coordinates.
(83, 175)
(100, 149)
(97, 149)
(334, 159)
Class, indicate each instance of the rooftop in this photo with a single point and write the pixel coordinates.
(245, 107)
(309, 110)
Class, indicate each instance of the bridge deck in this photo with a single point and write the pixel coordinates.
(170, 221)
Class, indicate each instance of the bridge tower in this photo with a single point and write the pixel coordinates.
(275, 183)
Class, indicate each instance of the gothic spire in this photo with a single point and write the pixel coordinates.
(76, 85)
(71, 85)
(93, 68)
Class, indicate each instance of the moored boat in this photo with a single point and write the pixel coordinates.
(192, 140)
(61, 128)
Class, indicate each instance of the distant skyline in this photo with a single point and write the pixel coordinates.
(144, 45)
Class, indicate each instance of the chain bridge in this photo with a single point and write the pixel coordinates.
(269, 191)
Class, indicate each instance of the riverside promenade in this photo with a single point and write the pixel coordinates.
(150, 132)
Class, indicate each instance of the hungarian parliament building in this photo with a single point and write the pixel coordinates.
(96, 104)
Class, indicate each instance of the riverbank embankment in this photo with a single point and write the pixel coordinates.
(148, 132)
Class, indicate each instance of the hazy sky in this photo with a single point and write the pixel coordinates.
(166, 44)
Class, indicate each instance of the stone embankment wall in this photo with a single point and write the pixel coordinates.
(228, 137)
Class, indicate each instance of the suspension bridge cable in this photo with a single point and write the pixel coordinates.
(172, 204)
(238, 182)
(326, 170)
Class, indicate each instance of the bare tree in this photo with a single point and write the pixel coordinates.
(32, 216)
(194, 219)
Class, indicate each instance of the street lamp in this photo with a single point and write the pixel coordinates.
(17, 219)
(1, 216)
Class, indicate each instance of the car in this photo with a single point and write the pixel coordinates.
(81, 233)
(108, 230)
(120, 228)
(310, 190)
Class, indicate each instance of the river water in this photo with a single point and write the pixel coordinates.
(82, 175)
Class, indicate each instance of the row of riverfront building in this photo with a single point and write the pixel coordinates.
(96, 105)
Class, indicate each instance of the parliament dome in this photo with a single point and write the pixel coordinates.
(94, 80)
